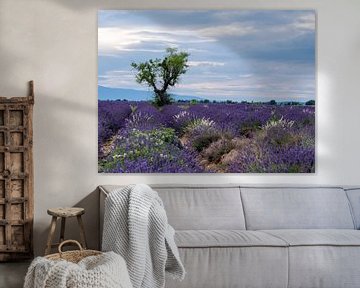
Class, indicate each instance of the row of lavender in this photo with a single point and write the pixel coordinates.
(136, 137)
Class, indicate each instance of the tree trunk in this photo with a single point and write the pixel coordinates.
(161, 97)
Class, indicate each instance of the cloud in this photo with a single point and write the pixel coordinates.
(237, 54)
(233, 29)
(205, 63)
(226, 88)
(117, 78)
(124, 39)
(246, 75)
(140, 50)
(305, 22)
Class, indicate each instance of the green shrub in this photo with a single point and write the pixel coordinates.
(204, 139)
(217, 149)
(199, 123)
(248, 128)
(280, 137)
(140, 144)
(310, 103)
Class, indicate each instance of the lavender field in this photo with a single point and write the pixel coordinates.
(137, 137)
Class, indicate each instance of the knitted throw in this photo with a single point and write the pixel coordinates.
(136, 227)
(103, 271)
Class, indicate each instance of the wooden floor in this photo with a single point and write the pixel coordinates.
(12, 274)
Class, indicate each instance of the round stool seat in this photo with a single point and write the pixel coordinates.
(66, 211)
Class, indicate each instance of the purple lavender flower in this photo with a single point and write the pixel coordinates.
(140, 138)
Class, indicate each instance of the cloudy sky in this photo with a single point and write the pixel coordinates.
(254, 55)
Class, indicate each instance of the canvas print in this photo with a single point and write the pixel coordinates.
(206, 91)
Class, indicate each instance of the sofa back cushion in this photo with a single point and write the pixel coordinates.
(354, 198)
(296, 208)
(203, 208)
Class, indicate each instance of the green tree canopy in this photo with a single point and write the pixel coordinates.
(161, 74)
(310, 102)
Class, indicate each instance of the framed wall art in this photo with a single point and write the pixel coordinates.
(215, 91)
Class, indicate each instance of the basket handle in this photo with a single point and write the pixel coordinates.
(69, 241)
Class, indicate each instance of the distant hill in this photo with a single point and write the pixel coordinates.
(106, 93)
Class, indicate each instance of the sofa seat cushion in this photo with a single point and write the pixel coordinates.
(323, 258)
(317, 237)
(225, 238)
(235, 267)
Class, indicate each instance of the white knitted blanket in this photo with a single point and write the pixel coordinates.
(136, 227)
(103, 271)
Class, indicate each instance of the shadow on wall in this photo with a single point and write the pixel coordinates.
(91, 223)
(63, 166)
(90, 218)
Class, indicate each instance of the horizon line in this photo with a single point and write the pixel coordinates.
(202, 98)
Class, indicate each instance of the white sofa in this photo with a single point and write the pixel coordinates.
(257, 236)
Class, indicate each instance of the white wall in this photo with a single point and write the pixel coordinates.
(55, 44)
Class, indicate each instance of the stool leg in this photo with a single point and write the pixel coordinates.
(82, 232)
(51, 235)
(62, 230)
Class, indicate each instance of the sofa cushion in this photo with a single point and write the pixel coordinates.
(338, 237)
(220, 267)
(226, 238)
(296, 208)
(194, 207)
(204, 208)
(322, 258)
(354, 198)
(324, 266)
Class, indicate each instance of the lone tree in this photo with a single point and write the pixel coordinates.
(161, 74)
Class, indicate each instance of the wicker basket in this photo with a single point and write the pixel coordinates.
(72, 256)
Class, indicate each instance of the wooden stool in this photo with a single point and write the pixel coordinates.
(64, 213)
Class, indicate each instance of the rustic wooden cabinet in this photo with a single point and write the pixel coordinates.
(16, 177)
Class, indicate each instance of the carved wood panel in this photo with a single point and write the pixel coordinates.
(16, 177)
